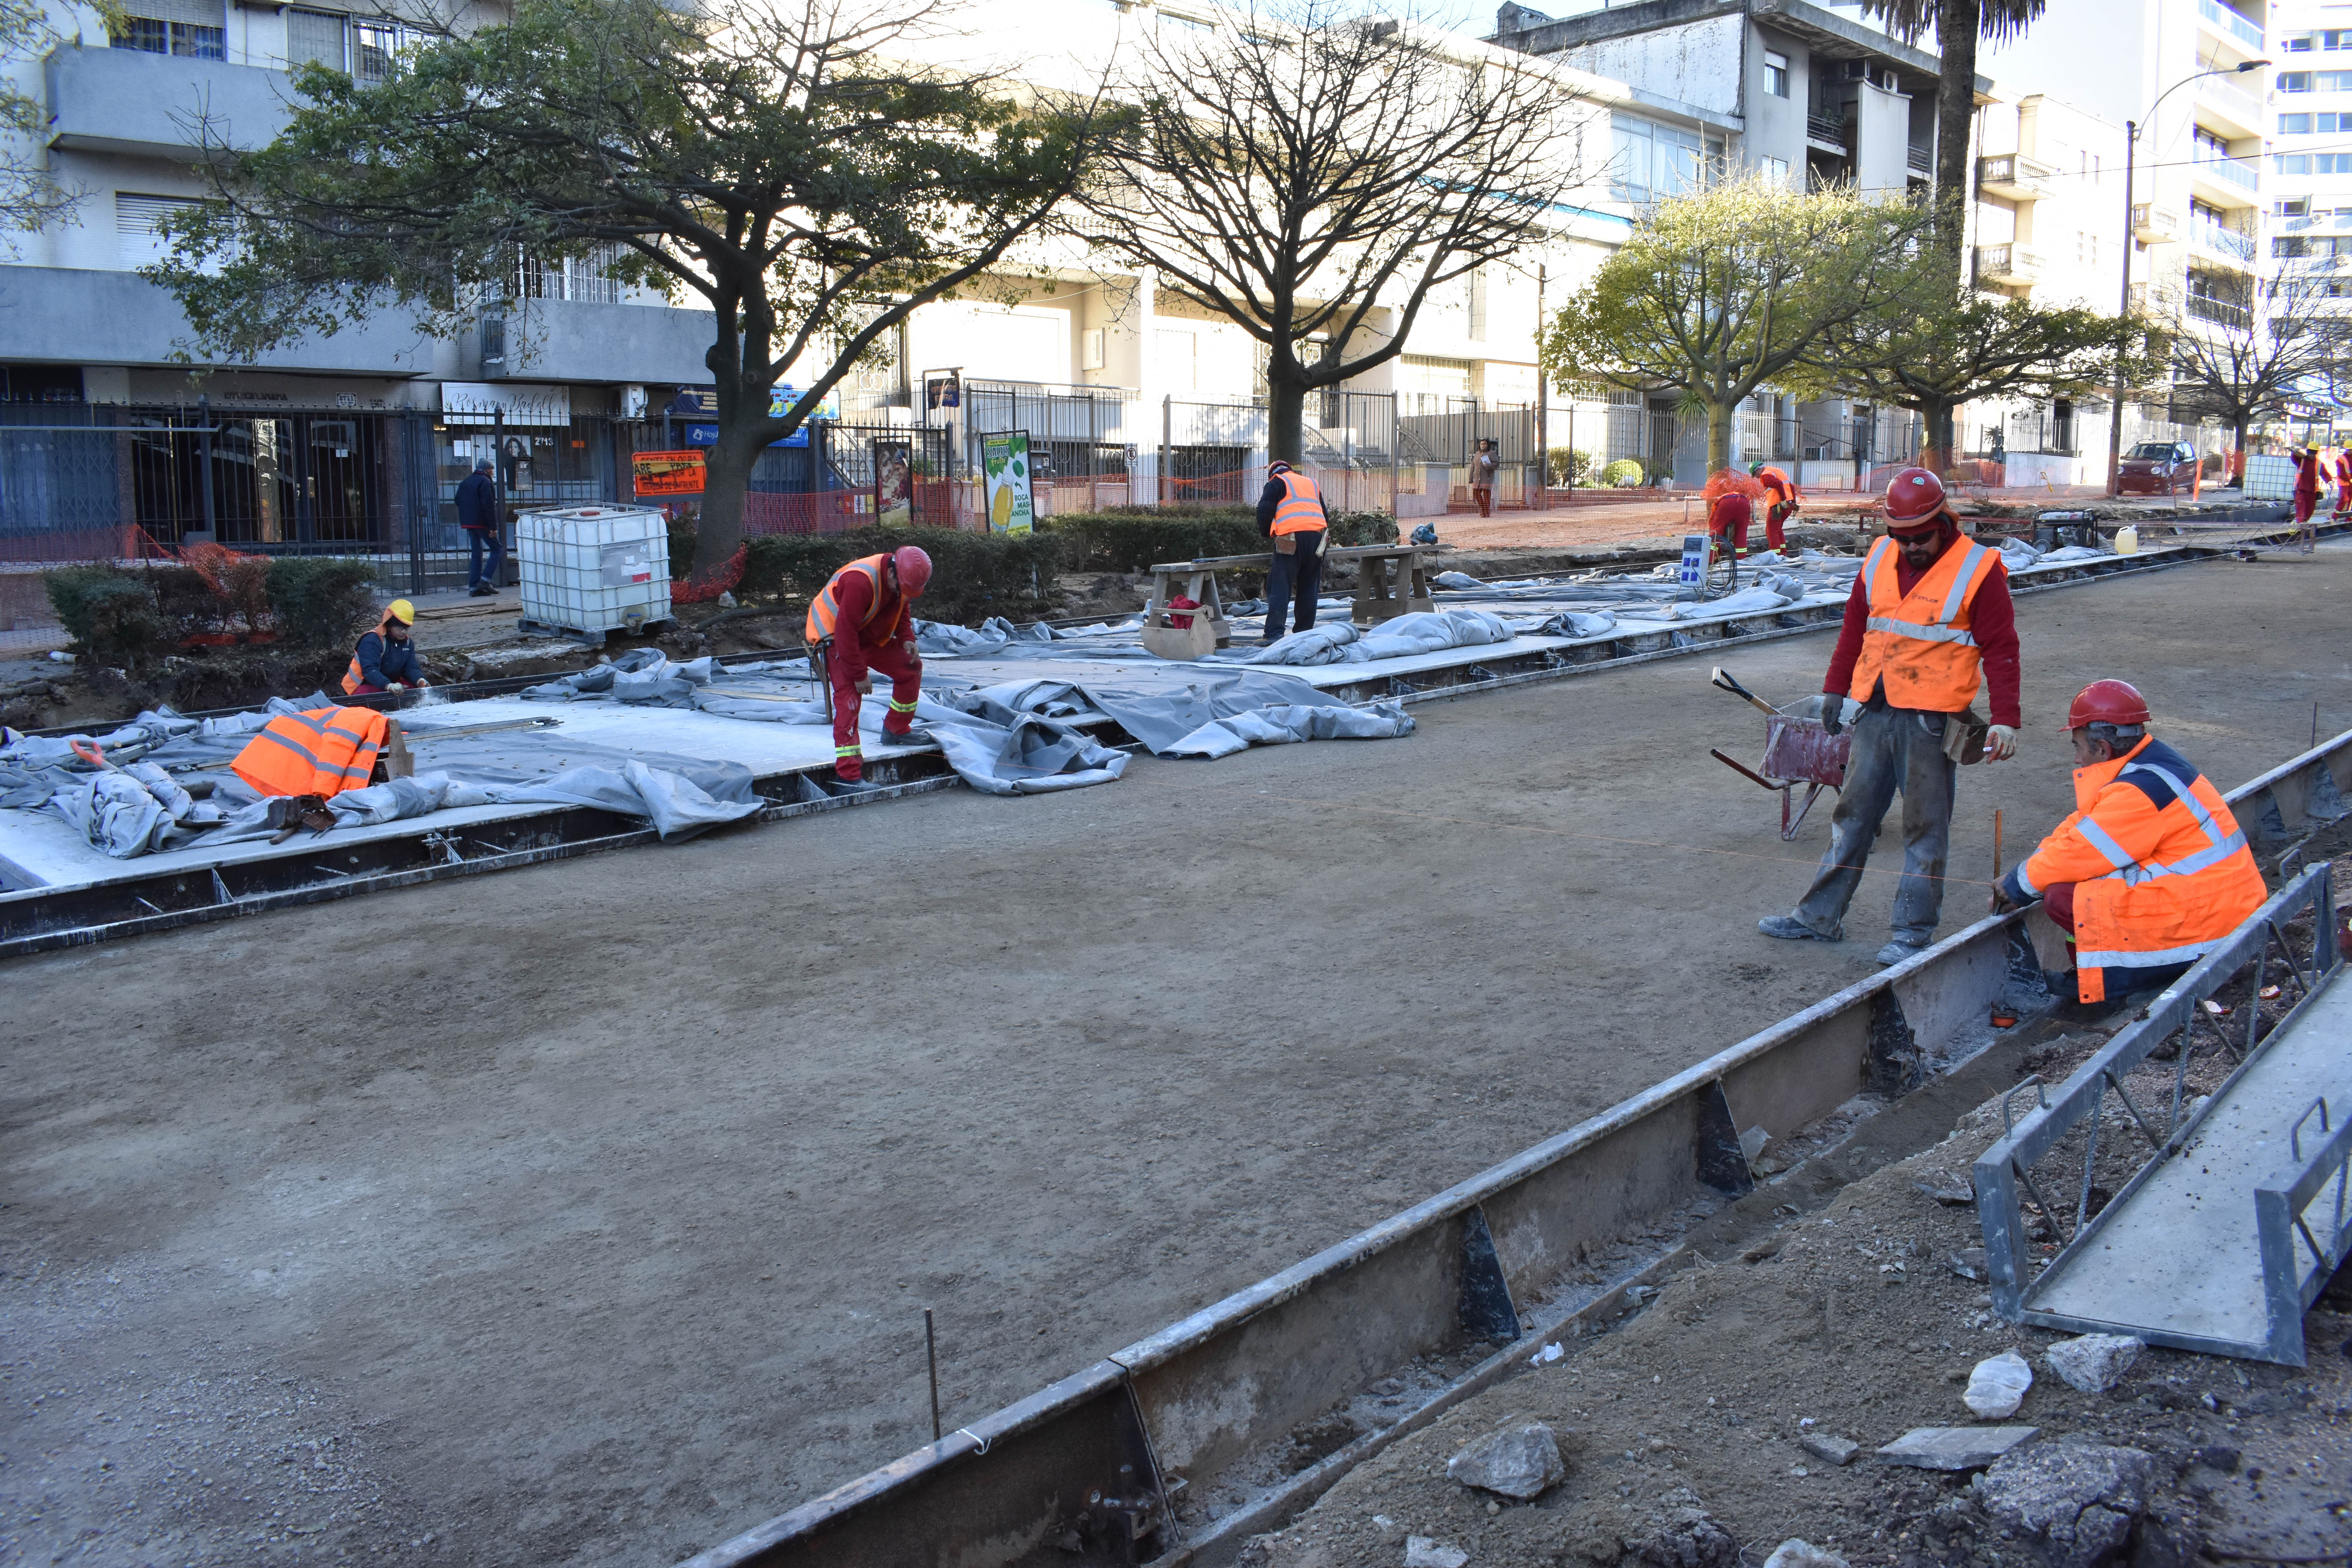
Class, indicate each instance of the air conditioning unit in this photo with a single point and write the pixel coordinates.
(494, 347)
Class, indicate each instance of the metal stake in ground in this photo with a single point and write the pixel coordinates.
(932, 1349)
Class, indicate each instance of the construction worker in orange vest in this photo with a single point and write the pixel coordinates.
(1929, 619)
(1290, 511)
(864, 621)
(1782, 501)
(2151, 871)
(386, 660)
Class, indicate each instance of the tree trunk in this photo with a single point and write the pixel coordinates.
(727, 477)
(2237, 473)
(1285, 421)
(1719, 417)
(1958, 25)
(1935, 429)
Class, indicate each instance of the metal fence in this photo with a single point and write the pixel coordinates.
(1218, 451)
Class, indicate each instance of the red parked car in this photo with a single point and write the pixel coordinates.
(2158, 467)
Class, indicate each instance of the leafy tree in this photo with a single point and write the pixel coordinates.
(1936, 354)
(1734, 288)
(1296, 174)
(2250, 346)
(777, 163)
(30, 196)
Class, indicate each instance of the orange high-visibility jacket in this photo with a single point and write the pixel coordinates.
(325, 752)
(826, 611)
(1301, 510)
(2162, 871)
(1779, 490)
(1919, 642)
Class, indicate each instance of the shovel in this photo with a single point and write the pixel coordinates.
(1722, 679)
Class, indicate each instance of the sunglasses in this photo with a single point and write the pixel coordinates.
(1922, 536)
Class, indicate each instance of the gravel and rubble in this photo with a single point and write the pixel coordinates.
(1703, 1430)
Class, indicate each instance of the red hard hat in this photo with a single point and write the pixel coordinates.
(2108, 702)
(1913, 496)
(914, 569)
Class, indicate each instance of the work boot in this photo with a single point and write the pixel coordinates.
(1788, 928)
(855, 787)
(1897, 951)
(911, 738)
(481, 591)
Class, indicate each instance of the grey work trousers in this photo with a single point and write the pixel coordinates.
(1894, 749)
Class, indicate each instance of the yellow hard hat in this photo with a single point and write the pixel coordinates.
(401, 610)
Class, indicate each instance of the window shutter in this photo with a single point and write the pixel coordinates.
(197, 12)
(315, 36)
(135, 218)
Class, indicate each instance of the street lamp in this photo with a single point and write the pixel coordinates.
(2131, 139)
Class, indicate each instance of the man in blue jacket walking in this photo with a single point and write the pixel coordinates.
(477, 514)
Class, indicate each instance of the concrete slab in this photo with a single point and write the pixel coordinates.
(1953, 1448)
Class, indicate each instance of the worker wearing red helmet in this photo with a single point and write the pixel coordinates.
(2151, 871)
(862, 622)
(1929, 619)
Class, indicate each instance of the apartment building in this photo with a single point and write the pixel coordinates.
(1798, 92)
(2309, 172)
(2050, 217)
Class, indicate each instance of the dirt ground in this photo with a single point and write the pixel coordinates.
(585, 1214)
(1682, 1432)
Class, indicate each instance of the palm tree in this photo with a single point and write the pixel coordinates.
(1958, 25)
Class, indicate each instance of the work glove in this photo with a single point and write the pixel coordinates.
(2000, 742)
(1833, 714)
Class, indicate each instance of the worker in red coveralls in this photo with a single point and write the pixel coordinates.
(1927, 624)
(2344, 484)
(864, 621)
(1728, 524)
(2307, 492)
(1782, 500)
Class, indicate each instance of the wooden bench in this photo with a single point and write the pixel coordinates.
(1390, 579)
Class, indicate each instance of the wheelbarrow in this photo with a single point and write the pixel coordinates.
(1797, 751)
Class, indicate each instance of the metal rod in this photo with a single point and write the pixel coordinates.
(932, 1349)
(1996, 844)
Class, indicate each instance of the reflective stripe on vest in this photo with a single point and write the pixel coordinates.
(325, 752)
(1927, 658)
(824, 612)
(1301, 510)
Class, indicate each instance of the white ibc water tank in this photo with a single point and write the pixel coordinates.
(589, 568)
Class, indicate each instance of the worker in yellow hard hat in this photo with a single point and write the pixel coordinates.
(385, 659)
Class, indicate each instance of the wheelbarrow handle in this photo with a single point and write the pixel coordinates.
(1739, 767)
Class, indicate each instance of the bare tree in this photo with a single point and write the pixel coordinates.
(2250, 345)
(30, 196)
(773, 158)
(1298, 173)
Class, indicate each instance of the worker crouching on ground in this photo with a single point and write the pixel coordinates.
(864, 621)
(385, 659)
(1782, 500)
(2151, 871)
(1929, 615)
(1290, 511)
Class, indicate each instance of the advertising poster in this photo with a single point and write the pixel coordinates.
(1005, 467)
(667, 473)
(894, 483)
(944, 390)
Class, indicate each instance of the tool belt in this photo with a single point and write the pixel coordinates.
(1287, 544)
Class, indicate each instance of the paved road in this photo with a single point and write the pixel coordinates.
(584, 1214)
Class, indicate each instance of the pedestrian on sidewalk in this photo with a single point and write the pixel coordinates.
(477, 514)
(1483, 464)
(1290, 512)
(1928, 620)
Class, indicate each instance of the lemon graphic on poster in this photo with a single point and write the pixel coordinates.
(1000, 514)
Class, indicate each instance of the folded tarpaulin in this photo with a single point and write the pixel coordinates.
(1277, 726)
(676, 806)
(1569, 624)
(1030, 755)
(134, 811)
(1424, 631)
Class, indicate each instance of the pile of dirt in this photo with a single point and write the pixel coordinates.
(1685, 1432)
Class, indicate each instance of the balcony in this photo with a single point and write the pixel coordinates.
(2224, 99)
(2237, 30)
(151, 106)
(2233, 173)
(2217, 312)
(2153, 225)
(1830, 133)
(2010, 265)
(2228, 244)
(2014, 178)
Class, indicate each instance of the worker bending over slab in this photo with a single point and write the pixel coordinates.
(864, 621)
(385, 659)
(1930, 618)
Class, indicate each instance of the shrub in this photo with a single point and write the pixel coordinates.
(973, 575)
(1132, 539)
(110, 614)
(1362, 527)
(1624, 471)
(188, 603)
(322, 601)
(1569, 467)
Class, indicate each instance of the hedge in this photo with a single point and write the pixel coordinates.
(1623, 472)
(973, 575)
(110, 614)
(1134, 539)
(322, 601)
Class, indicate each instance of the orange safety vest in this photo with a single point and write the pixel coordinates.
(824, 612)
(2160, 869)
(353, 678)
(325, 752)
(1919, 643)
(1779, 490)
(1301, 510)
